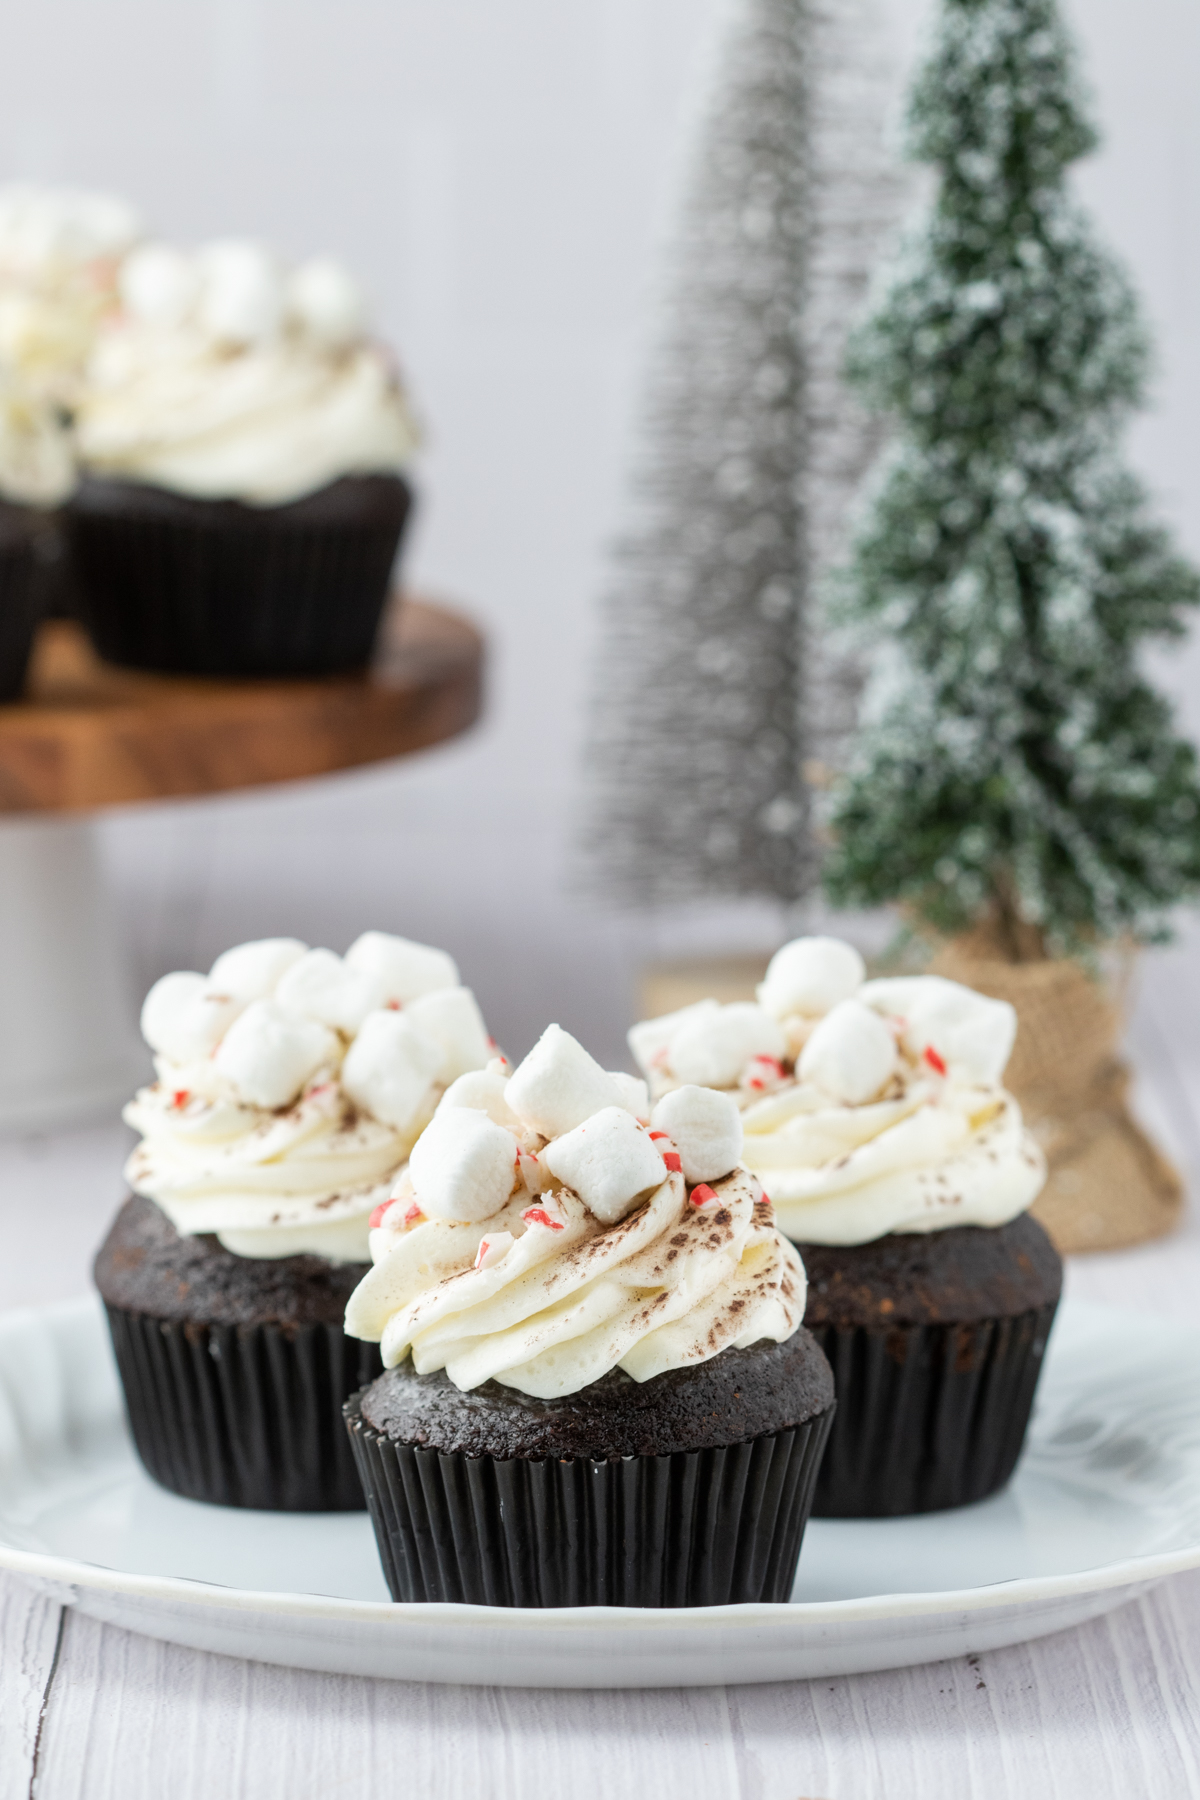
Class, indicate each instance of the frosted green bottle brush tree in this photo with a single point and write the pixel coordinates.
(1016, 770)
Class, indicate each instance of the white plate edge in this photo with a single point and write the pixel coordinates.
(997, 1596)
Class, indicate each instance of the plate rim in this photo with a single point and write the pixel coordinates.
(1024, 1590)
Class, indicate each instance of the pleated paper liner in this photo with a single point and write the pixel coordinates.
(694, 1528)
(243, 1415)
(19, 605)
(218, 588)
(928, 1416)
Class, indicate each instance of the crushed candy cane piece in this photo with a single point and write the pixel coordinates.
(377, 1216)
(493, 1249)
(660, 1134)
(936, 1063)
(413, 1214)
(700, 1196)
(673, 1161)
(180, 1098)
(537, 1215)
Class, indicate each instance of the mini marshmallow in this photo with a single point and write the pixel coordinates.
(452, 1016)
(320, 985)
(158, 284)
(609, 1161)
(253, 971)
(635, 1095)
(269, 1054)
(184, 1016)
(407, 970)
(463, 1166)
(241, 292)
(483, 1091)
(971, 1033)
(810, 975)
(559, 1085)
(705, 1128)
(325, 299)
(712, 1049)
(390, 1068)
(850, 1054)
(648, 1041)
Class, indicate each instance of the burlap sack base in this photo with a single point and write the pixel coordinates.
(1108, 1187)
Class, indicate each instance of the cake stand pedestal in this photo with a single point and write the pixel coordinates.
(88, 735)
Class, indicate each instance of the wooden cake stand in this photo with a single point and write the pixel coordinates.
(86, 735)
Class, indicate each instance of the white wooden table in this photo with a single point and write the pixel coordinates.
(1106, 1712)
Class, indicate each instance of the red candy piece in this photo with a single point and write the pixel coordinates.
(180, 1098)
(673, 1162)
(377, 1215)
(660, 1134)
(413, 1214)
(701, 1195)
(934, 1060)
(537, 1215)
(395, 1006)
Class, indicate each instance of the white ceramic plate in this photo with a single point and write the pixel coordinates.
(1105, 1503)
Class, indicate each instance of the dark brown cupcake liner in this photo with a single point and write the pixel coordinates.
(695, 1528)
(928, 1416)
(20, 604)
(243, 1415)
(219, 588)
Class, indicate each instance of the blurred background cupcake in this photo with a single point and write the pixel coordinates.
(36, 475)
(60, 252)
(60, 256)
(291, 1084)
(243, 445)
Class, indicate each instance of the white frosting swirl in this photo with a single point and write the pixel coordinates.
(223, 379)
(269, 1184)
(546, 1294)
(669, 1284)
(37, 465)
(306, 1174)
(860, 1131)
(59, 255)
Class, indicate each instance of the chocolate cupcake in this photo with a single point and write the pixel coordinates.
(902, 1170)
(60, 253)
(244, 449)
(291, 1085)
(598, 1390)
(36, 472)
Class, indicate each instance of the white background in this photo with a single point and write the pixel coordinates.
(499, 172)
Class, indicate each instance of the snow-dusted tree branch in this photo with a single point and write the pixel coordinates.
(716, 690)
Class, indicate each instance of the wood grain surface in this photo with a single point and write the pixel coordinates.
(88, 734)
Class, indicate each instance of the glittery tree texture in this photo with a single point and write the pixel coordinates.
(1016, 770)
(714, 687)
